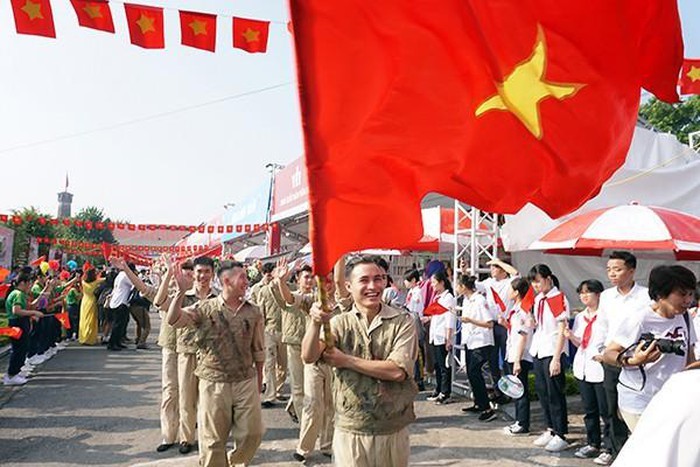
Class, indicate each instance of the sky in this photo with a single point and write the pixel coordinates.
(154, 136)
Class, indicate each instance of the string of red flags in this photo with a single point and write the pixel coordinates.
(146, 24)
(16, 219)
(107, 249)
(690, 77)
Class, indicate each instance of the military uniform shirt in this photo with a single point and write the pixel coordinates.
(186, 336)
(294, 317)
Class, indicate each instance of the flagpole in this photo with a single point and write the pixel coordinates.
(323, 298)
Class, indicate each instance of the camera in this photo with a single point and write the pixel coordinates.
(664, 345)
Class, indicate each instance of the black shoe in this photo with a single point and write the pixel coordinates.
(122, 346)
(442, 399)
(487, 415)
(327, 454)
(185, 448)
(114, 349)
(421, 386)
(298, 457)
(294, 417)
(433, 397)
(164, 447)
(267, 404)
(282, 398)
(472, 409)
(143, 346)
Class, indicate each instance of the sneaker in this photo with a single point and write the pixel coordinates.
(433, 397)
(487, 415)
(164, 447)
(442, 399)
(543, 439)
(605, 458)
(557, 444)
(16, 380)
(518, 430)
(185, 448)
(506, 429)
(472, 409)
(587, 452)
(298, 457)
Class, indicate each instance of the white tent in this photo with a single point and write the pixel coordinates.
(659, 171)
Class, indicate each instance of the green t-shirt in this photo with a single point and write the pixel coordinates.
(36, 289)
(72, 297)
(16, 297)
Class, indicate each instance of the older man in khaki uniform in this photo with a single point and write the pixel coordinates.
(229, 338)
(373, 359)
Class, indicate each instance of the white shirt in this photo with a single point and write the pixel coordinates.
(441, 323)
(667, 433)
(476, 337)
(502, 288)
(585, 368)
(521, 325)
(636, 399)
(414, 301)
(121, 291)
(695, 319)
(547, 331)
(616, 307)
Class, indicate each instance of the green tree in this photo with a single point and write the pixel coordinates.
(678, 119)
(30, 227)
(94, 215)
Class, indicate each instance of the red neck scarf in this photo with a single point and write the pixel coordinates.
(588, 331)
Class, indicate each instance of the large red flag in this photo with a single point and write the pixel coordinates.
(198, 30)
(94, 14)
(63, 319)
(464, 97)
(12, 332)
(145, 26)
(250, 34)
(33, 17)
(690, 77)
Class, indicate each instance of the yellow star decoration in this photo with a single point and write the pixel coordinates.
(198, 27)
(145, 23)
(92, 10)
(694, 73)
(33, 10)
(251, 35)
(522, 90)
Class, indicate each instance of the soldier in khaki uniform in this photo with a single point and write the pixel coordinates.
(275, 351)
(373, 359)
(228, 334)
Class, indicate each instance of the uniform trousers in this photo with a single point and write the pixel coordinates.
(296, 378)
(360, 450)
(187, 390)
(169, 405)
(275, 366)
(317, 415)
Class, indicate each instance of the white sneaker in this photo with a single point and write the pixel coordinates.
(16, 380)
(544, 439)
(507, 429)
(605, 458)
(33, 360)
(557, 444)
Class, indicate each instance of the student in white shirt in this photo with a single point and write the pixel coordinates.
(477, 336)
(645, 371)
(588, 369)
(441, 338)
(518, 358)
(551, 313)
(415, 305)
(617, 303)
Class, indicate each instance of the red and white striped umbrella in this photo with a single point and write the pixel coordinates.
(630, 227)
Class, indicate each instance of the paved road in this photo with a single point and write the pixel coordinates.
(87, 406)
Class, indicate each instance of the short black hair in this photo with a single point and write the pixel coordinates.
(268, 268)
(205, 261)
(382, 263)
(664, 280)
(520, 285)
(543, 271)
(91, 275)
(592, 285)
(467, 281)
(629, 259)
(364, 259)
(21, 278)
(187, 265)
(412, 275)
(227, 266)
(304, 268)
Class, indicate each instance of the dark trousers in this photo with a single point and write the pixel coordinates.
(19, 346)
(550, 391)
(618, 429)
(522, 405)
(595, 407)
(476, 359)
(74, 316)
(121, 319)
(443, 375)
(36, 336)
(500, 337)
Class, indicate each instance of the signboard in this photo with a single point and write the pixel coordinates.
(252, 210)
(291, 191)
(7, 239)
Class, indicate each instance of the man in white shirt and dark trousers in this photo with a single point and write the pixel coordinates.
(616, 304)
(119, 304)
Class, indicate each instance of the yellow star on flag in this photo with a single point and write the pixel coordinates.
(145, 23)
(198, 27)
(92, 10)
(251, 35)
(33, 10)
(522, 91)
(694, 73)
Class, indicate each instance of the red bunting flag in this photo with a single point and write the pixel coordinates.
(464, 97)
(12, 332)
(94, 14)
(63, 319)
(33, 17)
(556, 304)
(434, 309)
(250, 35)
(690, 77)
(497, 300)
(145, 26)
(198, 30)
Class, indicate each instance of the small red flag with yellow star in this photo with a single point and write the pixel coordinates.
(33, 17)
(198, 30)
(145, 26)
(690, 77)
(94, 15)
(250, 35)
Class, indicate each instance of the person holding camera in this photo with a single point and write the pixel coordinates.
(655, 342)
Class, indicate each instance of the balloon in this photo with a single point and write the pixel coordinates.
(54, 265)
(72, 265)
(44, 267)
(64, 276)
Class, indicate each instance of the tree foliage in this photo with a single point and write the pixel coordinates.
(678, 119)
(27, 229)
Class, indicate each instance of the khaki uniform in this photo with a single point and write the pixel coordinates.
(371, 416)
(275, 351)
(187, 380)
(230, 343)
(293, 328)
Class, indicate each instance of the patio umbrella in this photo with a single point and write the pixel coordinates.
(647, 230)
(251, 252)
